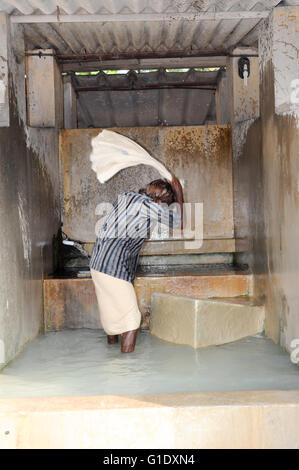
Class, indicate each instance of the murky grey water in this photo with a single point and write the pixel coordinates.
(79, 362)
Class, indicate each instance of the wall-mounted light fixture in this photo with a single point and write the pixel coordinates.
(244, 68)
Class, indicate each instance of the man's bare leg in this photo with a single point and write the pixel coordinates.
(112, 339)
(128, 341)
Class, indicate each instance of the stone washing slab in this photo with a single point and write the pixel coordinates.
(199, 323)
(72, 303)
(176, 247)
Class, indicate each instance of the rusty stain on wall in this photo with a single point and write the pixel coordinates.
(70, 303)
(199, 155)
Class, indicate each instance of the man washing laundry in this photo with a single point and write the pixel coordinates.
(115, 254)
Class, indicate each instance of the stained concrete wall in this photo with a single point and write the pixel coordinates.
(267, 184)
(244, 109)
(4, 105)
(199, 155)
(29, 212)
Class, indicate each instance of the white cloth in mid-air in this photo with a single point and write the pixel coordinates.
(112, 152)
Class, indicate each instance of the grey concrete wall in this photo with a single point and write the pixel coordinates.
(244, 109)
(267, 183)
(199, 155)
(29, 212)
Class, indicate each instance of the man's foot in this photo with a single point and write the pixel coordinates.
(128, 341)
(112, 339)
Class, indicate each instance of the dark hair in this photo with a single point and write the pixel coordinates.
(160, 190)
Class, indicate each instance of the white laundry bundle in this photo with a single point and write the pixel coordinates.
(112, 152)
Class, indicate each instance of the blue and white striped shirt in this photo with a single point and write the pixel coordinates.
(120, 239)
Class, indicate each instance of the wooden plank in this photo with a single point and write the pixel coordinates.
(139, 64)
(44, 90)
(70, 104)
(222, 100)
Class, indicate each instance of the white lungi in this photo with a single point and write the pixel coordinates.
(117, 302)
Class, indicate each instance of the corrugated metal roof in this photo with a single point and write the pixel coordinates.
(146, 107)
(153, 79)
(71, 7)
(137, 37)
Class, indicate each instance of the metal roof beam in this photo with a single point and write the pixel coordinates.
(153, 86)
(199, 16)
(137, 64)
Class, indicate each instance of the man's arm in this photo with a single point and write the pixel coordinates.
(178, 191)
(160, 213)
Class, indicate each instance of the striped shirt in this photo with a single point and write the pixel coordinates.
(121, 237)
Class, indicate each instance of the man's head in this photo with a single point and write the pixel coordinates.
(160, 191)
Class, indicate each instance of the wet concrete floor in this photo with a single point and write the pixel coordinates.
(79, 362)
